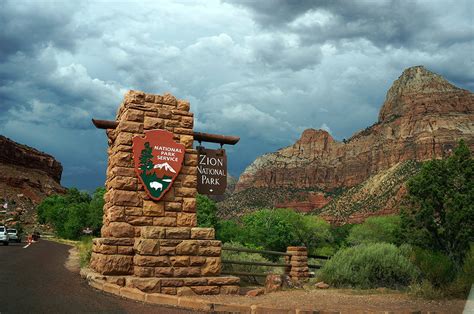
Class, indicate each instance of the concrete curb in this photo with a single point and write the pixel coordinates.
(197, 304)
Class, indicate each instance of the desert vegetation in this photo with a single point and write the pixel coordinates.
(427, 250)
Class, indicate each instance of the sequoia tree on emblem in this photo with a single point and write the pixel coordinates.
(158, 160)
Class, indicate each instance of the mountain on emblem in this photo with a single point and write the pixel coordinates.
(158, 160)
(166, 166)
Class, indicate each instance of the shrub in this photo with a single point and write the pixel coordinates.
(85, 251)
(340, 234)
(228, 231)
(435, 267)
(369, 266)
(376, 229)
(277, 229)
(206, 211)
(465, 277)
(247, 257)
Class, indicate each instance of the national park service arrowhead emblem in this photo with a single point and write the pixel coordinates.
(158, 160)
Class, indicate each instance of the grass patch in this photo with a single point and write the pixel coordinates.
(85, 250)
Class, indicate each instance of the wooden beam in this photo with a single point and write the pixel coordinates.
(198, 136)
(216, 138)
(105, 124)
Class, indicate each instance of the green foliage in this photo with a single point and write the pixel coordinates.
(376, 229)
(85, 250)
(369, 266)
(465, 277)
(441, 213)
(437, 286)
(206, 212)
(247, 257)
(228, 231)
(340, 234)
(280, 228)
(69, 214)
(435, 267)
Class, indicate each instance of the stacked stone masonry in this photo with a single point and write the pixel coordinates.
(298, 260)
(156, 244)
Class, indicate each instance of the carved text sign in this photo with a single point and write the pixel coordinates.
(212, 171)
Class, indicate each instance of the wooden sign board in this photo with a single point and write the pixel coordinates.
(212, 171)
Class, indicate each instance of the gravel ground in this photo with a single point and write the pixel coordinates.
(345, 300)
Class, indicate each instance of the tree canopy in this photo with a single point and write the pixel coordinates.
(69, 214)
(440, 216)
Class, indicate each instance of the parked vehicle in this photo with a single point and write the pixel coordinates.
(14, 236)
(4, 237)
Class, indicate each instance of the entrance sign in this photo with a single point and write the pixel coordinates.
(212, 171)
(158, 160)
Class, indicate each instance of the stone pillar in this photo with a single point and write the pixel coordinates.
(156, 245)
(298, 271)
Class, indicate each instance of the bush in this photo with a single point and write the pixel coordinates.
(465, 277)
(435, 267)
(369, 266)
(439, 278)
(376, 229)
(247, 257)
(340, 234)
(277, 229)
(85, 251)
(206, 211)
(228, 231)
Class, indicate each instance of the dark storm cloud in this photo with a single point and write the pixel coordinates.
(262, 70)
(384, 23)
(28, 26)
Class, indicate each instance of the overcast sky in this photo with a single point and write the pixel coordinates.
(261, 70)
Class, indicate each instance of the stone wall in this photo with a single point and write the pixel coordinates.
(155, 245)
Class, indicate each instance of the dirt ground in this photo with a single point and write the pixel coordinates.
(345, 301)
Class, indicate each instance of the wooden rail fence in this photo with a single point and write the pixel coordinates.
(295, 265)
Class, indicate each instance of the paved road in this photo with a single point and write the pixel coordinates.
(34, 280)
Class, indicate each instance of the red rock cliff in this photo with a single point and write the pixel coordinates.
(423, 117)
(26, 173)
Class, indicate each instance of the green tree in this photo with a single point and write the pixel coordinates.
(277, 229)
(96, 210)
(441, 212)
(70, 213)
(228, 231)
(376, 229)
(146, 157)
(206, 212)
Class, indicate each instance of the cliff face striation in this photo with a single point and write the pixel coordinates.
(26, 176)
(423, 117)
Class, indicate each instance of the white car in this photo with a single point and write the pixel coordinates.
(14, 236)
(4, 237)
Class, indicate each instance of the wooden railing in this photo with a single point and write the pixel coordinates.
(295, 265)
(250, 263)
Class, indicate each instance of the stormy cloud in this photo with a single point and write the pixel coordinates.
(262, 70)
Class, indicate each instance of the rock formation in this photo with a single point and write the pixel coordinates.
(26, 176)
(423, 117)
